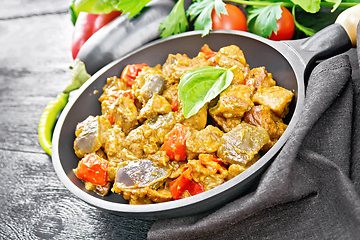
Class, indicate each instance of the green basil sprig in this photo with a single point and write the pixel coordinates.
(199, 86)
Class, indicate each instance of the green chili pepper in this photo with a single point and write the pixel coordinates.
(48, 119)
(53, 108)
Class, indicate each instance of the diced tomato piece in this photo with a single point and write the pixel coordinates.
(93, 169)
(178, 186)
(212, 162)
(110, 117)
(194, 188)
(175, 103)
(185, 183)
(250, 82)
(130, 73)
(175, 143)
(209, 54)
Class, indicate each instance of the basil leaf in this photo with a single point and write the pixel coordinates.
(199, 86)
(176, 22)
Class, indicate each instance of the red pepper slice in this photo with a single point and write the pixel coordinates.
(250, 82)
(185, 183)
(93, 169)
(194, 188)
(175, 143)
(175, 103)
(130, 73)
(86, 25)
(211, 162)
(209, 54)
(178, 186)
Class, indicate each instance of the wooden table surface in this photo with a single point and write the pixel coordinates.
(35, 55)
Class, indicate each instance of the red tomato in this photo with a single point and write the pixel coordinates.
(93, 169)
(235, 20)
(285, 26)
(175, 143)
(130, 73)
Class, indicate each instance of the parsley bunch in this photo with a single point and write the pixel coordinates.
(261, 15)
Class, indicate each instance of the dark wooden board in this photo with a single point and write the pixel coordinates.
(34, 67)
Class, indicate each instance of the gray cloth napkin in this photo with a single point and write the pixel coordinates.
(311, 190)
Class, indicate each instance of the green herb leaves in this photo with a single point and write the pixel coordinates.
(201, 11)
(199, 86)
(176, 22)
(265, 19)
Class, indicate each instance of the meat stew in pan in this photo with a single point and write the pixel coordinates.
(146, 147)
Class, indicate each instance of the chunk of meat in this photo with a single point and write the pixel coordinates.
(240, 145)
(262, 116)
(197, 121)
(176, 65)
(155, 106)
(226, 124)
(89, 135)
(205, 141)
(124, 114)
(230, 56)
(259, 77)
(276, 98)
(113, 84)
(108, 101)
(142, 141)
(233, 102)
(113, 143)
(149, 81)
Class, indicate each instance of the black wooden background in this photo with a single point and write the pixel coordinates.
(35, 55)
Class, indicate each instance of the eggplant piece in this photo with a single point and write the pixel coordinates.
(123, 35)
(139, 174)
(156, 84)
(89, 135)
(242, 144)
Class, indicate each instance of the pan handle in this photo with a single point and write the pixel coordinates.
(349, 20)
(330, 41)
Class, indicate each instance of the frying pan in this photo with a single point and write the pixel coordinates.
(290, 62)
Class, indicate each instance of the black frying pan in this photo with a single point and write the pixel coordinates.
(289, 62)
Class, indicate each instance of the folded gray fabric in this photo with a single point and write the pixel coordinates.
(309, 191)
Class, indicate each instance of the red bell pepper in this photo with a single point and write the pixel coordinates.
(86, 25)
(209, 54)
(185, 183)
(212, 162)
(175, 103)
(130, 73)
(93, 169)
(175, 143)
